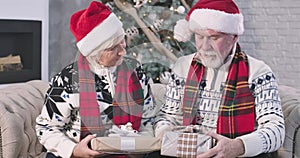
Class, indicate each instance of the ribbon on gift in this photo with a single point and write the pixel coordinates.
(123, 131)
(127, 144)
(188, 129)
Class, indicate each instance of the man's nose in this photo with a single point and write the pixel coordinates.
(206, 44)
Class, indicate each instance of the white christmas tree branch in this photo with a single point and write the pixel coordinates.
(127, 8)
(185, 4)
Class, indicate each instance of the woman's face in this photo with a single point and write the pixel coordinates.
(213, 47)
(113, 56)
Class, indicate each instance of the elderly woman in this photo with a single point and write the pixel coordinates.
(103, 88)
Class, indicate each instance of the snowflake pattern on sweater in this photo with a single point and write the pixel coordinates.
(58, 125)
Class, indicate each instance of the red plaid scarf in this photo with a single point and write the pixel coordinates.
(128, 100)
(129, 97)
(236, 112)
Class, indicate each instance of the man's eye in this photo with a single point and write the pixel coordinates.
(214, 38)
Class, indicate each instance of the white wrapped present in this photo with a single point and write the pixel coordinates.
(185, 143)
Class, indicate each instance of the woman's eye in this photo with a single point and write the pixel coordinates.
(112, 48)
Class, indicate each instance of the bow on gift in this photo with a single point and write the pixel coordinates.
(123, 131)
(188, 129)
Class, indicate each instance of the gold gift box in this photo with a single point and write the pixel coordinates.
(125, 145)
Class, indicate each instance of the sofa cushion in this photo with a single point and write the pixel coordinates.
(290, 100)
(19, 106)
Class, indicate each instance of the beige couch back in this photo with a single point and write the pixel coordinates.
(290, 100)
(19, 106)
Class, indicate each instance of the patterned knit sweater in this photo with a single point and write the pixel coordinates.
(58, 125)
(269, 131)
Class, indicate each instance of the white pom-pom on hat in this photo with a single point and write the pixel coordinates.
(182, 31)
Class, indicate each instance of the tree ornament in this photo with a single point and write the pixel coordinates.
(131, 33)
(181, 9)
(156, 25)
(139, 3)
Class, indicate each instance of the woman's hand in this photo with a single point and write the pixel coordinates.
(81, 150)
(225, 148)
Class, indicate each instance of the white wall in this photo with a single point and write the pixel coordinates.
(30, 10)
(272, 34)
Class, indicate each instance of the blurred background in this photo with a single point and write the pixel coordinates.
(272, 29)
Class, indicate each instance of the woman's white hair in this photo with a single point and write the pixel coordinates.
(94, 57)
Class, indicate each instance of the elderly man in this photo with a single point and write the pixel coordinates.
(229, 94)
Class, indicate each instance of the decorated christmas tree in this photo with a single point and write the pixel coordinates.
(149, 28)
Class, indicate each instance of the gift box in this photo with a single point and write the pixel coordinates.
(185, 143)
(126, 145)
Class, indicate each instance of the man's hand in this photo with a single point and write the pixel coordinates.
(159, 132)
(225, 148)
(81, 150)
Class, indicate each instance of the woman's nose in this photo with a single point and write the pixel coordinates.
(122, 51)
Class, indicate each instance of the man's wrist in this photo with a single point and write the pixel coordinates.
(240, 146)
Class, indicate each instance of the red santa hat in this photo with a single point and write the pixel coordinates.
(219, 15)
(94, 26)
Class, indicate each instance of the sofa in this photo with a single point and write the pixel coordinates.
(19, 106)
(21, 103)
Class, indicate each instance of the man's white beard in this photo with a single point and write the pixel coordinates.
(210, 59)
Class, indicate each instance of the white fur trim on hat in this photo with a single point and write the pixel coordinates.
(100, 34)
(216, 20)
(182, 31)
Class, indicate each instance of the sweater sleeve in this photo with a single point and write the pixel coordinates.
(170, 113)
(53, 126)
(270, 130)
(150, 108)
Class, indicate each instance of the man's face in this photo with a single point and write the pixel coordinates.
(213, 47)
(113, 56)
